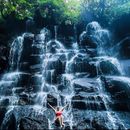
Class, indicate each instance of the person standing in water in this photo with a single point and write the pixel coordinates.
(58, 113)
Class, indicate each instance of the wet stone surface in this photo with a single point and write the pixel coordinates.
(82, 75)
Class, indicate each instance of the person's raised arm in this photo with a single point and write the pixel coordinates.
(64, 106)
(52, 107)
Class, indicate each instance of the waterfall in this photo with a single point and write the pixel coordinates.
(87, 78)
(50, 65)
(15, 52)
(10, 79)
(100, 36)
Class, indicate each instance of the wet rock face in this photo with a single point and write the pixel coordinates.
(2, 114)
(55, 75)
(4, 49)
(26, 53)
(124, 48)
(108, 68)
(105, 66)
(89, 37)
(87, 95)
(92, 27)
(27, 118)
(27, 123)
(3, 58)
(51, 100)
(119, 90)
(98, 120)
(85, 85)
(57, 64)
(117, 87)
(52, 46)
(9, 123)
(86, 40)
(4, 102)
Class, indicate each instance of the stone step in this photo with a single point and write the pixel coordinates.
(91, 97)
(36, 80)
(52, 77)
(18, 90)
(36, 67)
(13, 76)
(89, 119)
(8, 100)
(6, 87)
(89, 105)
(87, 85)
(36, 50)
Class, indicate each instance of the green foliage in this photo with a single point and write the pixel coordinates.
(105, 9)
(59, 10)
(52, 9)
(63, 10)
(21, 8)
(72, 10)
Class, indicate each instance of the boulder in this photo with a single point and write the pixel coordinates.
(9, 123)
(51, 100)
(119, 89)
(6, 87)
(89, 105)
(51, 77)
(86, 85)
(81, 63)
(87, 40)
(83, 125)
(24, 80)
(54, 46)
(88, 119)
(106, 65)
(123, 47)
(117, 86)
(55, 63)
(26, 53)
(27, 123)
(25, 99)
(92, 27)
(99, 124)
(4, 102)
(2, 114)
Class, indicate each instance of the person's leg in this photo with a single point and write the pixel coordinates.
(62, 121)
(55, 119)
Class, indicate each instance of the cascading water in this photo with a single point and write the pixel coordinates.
(15, 53)
(74, 62)
(51, 50)
(91, 84)
(10, 79)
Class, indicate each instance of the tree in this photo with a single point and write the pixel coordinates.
(104, 10)
(57, 10)
(60, 10)
(21, 8)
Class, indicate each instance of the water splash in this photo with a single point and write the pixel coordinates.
(15, 52)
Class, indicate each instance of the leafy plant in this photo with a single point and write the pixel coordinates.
(21, 8)
(104, 9)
